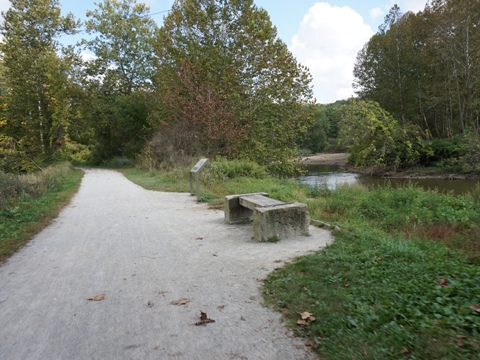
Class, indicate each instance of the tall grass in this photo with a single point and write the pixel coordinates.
(30, 202)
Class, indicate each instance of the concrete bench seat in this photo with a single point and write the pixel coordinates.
(272, 219)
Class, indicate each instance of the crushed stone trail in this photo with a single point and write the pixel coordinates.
(144, 250)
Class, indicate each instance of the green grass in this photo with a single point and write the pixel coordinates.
(24, 215)
(401, 280)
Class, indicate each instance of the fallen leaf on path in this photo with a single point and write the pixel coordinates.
(220, 307)
(99, 297)
(181, 301)
(475, 308)
(204, 319)
(150, 304)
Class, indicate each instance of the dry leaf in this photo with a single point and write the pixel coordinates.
(204, 319)
(346, 285)
(301, 322)
(475, 308)
(442, 282)
(460, 343)
(181, 301)
(305, 288)
(305, 315)
(405, 351)
(150, 304)
(99, 297)
(220, 307)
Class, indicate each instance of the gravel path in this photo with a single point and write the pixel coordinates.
(142, 250)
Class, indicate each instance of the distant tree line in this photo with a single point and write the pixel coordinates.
(214, 80)
(424, 70)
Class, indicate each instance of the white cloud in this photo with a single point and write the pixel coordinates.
(4, 5)
(327, 42)
(376, 13)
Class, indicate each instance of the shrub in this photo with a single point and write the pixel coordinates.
(222, 169)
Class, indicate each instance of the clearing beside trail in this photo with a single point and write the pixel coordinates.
(149, 262)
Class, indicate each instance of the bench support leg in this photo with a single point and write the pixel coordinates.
(279, 222)
(236, 213)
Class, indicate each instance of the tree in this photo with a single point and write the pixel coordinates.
(122, 45)
(376, 139)
(35, 76)
(231, 49)
(119, 79)
(423, 68)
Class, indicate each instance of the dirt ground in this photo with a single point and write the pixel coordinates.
(326, 159)
(123, 273)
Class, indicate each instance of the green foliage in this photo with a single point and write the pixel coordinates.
(458, 154)
(37, 85)
(75, 153)
(223, 169)
(377, 140)
(247, 94)
(423, 68)
(116, 107)
(119, 123)
(324, 130)
(122, 45)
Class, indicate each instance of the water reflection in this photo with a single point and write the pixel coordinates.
(330, 176)
(333, 176)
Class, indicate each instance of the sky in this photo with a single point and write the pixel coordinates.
(323, 35)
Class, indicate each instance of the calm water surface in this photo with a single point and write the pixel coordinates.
(333, 176)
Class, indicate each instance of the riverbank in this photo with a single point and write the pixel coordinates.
(340, 159)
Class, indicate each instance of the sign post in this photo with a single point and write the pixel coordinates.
(196, 170)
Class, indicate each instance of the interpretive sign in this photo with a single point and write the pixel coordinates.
(196, 170)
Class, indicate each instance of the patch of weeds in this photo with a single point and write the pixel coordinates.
(273, 239)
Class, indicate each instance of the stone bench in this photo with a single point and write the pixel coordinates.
(272, 219)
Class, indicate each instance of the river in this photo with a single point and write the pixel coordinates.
(333, 176)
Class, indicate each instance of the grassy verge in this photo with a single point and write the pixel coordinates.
(400, 281)
(31, 203)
